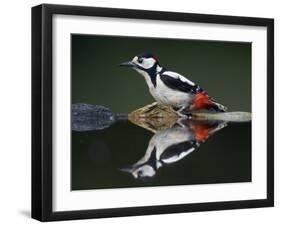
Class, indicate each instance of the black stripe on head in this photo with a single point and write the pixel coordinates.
(151, 161)
(152, 74)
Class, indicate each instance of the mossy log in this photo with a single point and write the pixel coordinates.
(156, 116)
(153, 117)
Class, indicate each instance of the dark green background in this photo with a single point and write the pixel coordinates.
(223, 69)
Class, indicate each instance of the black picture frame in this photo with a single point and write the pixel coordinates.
(42, 111)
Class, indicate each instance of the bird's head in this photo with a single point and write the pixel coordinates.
(142, 171)
(147, 169)
(144, 63)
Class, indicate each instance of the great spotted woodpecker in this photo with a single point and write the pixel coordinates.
(171, 145)
(170, 88)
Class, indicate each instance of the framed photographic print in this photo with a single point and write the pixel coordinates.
(147, 112)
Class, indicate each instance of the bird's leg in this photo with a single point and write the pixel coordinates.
(180, 112)
(180, 122)
(220, 126)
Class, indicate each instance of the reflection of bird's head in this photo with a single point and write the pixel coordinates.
(144, 170)
(141, 171)
(143, 63)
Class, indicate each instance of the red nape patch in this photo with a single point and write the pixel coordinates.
(155, 58)
(201, 101)
(201, 132)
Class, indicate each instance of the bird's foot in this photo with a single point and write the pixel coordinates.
(182, 113)
(220, 126)
(185, 115)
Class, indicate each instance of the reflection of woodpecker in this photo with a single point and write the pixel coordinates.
(171, 145)
(170, 88)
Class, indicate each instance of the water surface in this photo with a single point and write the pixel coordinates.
(98, 158)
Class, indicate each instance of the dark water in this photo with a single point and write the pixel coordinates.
(100, 157)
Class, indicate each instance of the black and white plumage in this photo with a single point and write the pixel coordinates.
(170, 88)
(171, 145)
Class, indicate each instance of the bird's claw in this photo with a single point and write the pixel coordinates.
(181, 113)
(185, 115)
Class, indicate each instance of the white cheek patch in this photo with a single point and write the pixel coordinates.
(147, 63)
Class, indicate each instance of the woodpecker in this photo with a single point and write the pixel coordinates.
(171, 88)
(171, 145)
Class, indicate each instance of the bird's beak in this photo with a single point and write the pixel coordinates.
(127, 64)
(127, 169)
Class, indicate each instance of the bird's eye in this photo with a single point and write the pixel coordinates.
(140, 60)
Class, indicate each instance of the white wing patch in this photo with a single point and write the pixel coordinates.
(176, 158)
(179, 76)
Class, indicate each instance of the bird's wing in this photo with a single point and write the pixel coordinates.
(178, 82)
(178, 151)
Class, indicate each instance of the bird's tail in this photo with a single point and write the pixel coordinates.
(217, 107)
(203, 101)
